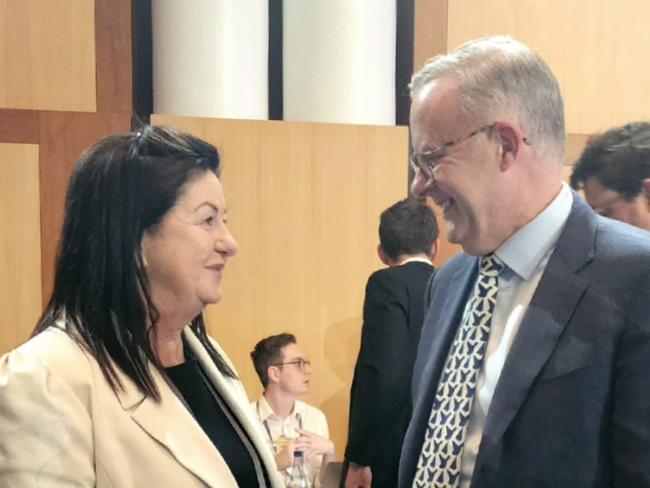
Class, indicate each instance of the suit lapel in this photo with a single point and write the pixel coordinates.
(441, 322)
(446, 316)
(235, 396)
(553, 303)
(171, 424)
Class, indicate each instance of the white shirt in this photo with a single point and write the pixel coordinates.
(303, 416)
(525, 255)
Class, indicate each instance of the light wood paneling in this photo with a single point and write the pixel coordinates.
(62, 137)
(598, 49)
(575, 144)
(304, 203)
(47, 55)
(430, 37)
(20, 251)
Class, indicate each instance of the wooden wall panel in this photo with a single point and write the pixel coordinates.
(598, 49)
(63, 136)
(47, 55)
(304, 203)
(430, 37)
(20, 264)
(114, 60)
(20, 126)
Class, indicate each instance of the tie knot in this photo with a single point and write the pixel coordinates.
(491, 265)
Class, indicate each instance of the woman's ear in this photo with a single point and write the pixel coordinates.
(143, 250)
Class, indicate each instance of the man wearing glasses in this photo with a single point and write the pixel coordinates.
(289, 424)
(614, 172)
(532, 369)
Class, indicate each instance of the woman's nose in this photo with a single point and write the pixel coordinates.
(226, 244)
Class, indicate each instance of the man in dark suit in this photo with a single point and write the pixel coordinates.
(392, 319)
(532, 369)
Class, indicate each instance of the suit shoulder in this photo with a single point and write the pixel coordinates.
(54, 350)
(47, 369)
(460, 260)
(404, 272)
(620, 239)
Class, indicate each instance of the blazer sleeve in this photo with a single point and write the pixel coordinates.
(45, 427)
(631, 409)
(383, 370)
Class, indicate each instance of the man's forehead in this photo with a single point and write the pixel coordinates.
(435, 111)
(438, 89)
(291, 351)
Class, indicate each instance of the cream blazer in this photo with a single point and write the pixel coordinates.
(61, 425)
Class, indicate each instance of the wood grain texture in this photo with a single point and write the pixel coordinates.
(20, 279)
(598, 50)
(47, 55)
(575, 144)
(19, 126)
(113, 53)
(304, 203)
(430, 30)
(63, 136)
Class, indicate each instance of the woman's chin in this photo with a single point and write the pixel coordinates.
(212, 298)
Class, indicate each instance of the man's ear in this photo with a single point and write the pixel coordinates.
(510, 145)
(645, 190)
(434, 250)
(273, 374)
(383, 256)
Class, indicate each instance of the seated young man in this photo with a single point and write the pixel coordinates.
(290, 425)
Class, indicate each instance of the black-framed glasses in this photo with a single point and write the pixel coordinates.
(302, 364)
(426, 161)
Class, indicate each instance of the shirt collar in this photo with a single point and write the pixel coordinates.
(265, 411)
(523, 251)
(416, 260)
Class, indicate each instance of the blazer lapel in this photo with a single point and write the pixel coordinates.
(233, 393)
(551, 307)
(172, 425)
(446, 316)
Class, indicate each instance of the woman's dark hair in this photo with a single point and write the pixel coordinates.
(120, 187)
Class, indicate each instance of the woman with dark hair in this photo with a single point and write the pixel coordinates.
(120, 385)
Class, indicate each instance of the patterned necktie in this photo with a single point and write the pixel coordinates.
(440, 459)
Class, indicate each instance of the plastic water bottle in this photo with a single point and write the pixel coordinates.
(297, 478)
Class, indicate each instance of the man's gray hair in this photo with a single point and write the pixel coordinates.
(498, 77)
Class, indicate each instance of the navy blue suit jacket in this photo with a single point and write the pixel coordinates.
(572, 405)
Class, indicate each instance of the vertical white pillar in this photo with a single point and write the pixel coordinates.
(210, 58)
(339, 61)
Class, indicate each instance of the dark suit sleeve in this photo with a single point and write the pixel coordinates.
(631, 409)
(383, 369)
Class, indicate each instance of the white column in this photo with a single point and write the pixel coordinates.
(339, 61)
(210, 58)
